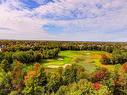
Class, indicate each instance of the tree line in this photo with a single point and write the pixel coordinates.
(118, 57)
(38, 50)
(62, 45)
(29, 56)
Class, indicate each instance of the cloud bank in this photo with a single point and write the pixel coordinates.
(82, 20)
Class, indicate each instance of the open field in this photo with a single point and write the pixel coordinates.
(90, 60)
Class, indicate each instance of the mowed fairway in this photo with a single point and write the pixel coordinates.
(90, 60)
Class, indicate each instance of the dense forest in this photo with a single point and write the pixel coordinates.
(17, 79)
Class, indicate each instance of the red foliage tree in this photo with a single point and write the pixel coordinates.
(96, 86)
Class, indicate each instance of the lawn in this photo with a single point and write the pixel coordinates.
(90, 60)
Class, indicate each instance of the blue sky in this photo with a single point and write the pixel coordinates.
(73, 20)
(31, 4)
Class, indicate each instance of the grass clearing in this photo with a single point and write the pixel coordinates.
(90, 60)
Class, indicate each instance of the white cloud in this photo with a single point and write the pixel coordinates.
(15, 24)
(102, 20)
(73, 9)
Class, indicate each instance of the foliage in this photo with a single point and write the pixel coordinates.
(118, 57)
(1, 56)
(8, 57)
(16, 78)
(54, 82)
(35, 81)
(5, 80)
(5, 65)
(70, 74)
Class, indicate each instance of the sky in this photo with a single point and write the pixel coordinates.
(68, 20)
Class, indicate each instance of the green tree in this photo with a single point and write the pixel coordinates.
(35, 81)
(1, 56)
(55, 81)
(70, 74)
(8, 57)
(5, 65)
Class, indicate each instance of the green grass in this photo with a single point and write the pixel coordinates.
(90, 60)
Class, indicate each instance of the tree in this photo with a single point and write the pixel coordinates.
(35, 81)
(5, 82)
(63, 90)
(5, 65)
(17, 76)
(105, 59)
(100, 75)
(1, 56)
(38, 56)
(8, 57)
(55, 81)
(70, 74)
(24, 57)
